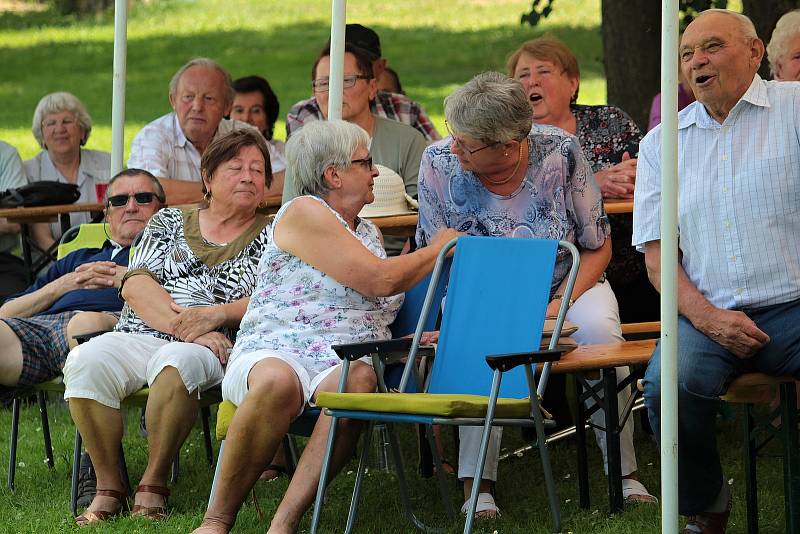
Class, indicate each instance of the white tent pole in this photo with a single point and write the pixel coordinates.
(118, 88)
(669, 266)
(338, 17)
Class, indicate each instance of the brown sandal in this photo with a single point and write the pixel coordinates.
(154, 513)
(88, 517)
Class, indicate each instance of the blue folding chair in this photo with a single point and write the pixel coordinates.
(496, 303)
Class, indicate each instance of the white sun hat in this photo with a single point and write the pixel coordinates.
(390, 196)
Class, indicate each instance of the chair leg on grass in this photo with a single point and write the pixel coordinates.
(323, 478)
(401, 480)
(580, 436)
(362, 464)
(217, 470)
(12, 453)
(41, 396)
(173, 478)
(441, 476)
(611, 409)
(549, 480)
(205, 415)
(791, 459)
(750, 480)
(76, 466)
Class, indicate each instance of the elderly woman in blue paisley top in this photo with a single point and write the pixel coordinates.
(324, 279)
(185, 293)
(495, 175)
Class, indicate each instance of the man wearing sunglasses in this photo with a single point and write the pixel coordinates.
(78, 294)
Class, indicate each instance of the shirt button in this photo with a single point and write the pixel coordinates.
(739, 291)
(733, 258)
(727, 224)
(725, 189)
(724, 157)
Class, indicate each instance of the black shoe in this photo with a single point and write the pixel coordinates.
(87, 482)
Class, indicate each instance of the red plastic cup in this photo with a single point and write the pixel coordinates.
(100, 191)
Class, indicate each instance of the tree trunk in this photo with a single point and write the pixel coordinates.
(764, 16)
(631, 55)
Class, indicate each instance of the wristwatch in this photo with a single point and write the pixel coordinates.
(558, 296)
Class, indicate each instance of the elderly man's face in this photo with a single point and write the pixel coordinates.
(200, 104)
(788, 68)
(128, 220)
(718, 62)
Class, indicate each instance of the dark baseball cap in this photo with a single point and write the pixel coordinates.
(364, 38)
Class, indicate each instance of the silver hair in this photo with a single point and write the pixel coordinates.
(319, 145)
(230, 94)
(56, 103)
(491, 108)
(745, 24)
(787, 27)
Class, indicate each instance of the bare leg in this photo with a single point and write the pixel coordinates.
(101, 429)
(87, 323)
(10, 356)
(303, 486)
(255, 433)
(170, 415)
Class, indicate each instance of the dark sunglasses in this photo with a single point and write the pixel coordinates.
(366, 162)
(140, 198)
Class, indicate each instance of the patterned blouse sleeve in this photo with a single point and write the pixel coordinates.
(155, 244)
(591, 222)
(430, 196)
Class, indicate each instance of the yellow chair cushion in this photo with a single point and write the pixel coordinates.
(424, 404)
(224, 415)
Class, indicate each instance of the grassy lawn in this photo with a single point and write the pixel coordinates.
(41, 503)
(434, 45)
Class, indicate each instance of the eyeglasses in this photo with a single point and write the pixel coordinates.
(321, 85)
(366, 162)
(461, 144)
(118, 201)
(52, 123)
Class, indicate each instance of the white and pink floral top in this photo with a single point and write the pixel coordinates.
(300, 311)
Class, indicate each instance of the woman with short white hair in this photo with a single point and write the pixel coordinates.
(324, 279)
(61, 126)
(783, 50)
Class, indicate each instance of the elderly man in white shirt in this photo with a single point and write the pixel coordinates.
(201, 95)
(738, 278)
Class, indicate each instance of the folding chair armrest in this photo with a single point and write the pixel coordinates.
(506, 362)
(83, 338)
(354, 351)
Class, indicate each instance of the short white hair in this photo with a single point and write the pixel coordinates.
(205, 62)
(319, 145)
(56, 103)
(787, 27)
(745, 24)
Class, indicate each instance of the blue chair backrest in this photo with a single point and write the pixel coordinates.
(406, 321)
(496, 303)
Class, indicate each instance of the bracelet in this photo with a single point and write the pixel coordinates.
(558, 296)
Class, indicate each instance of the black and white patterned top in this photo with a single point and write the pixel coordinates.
(192, 270)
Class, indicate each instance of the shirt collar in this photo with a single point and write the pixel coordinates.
(116, 247)
(180, 138)
(696, 113)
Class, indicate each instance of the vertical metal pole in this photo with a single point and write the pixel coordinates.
(118, 88)
(669, 266)
(335, 80)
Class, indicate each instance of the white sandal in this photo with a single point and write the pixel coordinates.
(634, 491)
(485, 504)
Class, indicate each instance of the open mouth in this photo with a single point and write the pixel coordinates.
(702, 80)
(535, 98)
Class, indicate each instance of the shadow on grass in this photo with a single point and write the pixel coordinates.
(430, 62)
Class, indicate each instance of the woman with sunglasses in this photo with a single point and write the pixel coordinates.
(324, 279)
(498, 176)
(185, 292)
(61, 126)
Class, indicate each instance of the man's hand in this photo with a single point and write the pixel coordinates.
(191, 323)
(94, 275)
(218, 343)
(618, 181)
(735, 331)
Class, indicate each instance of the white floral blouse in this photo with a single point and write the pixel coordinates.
(300, 311)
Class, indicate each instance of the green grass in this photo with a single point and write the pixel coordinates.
(434, 45)
(41, 502)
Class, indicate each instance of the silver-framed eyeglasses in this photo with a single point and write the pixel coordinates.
(461, 144)
(321, 85)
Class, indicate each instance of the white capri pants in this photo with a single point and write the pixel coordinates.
(112, 366)
(596, 315)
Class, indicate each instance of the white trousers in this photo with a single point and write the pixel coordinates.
(596, 315)
(112, 366)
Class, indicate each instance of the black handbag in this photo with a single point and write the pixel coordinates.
(42, 193)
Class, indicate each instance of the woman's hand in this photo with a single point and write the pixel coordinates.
(619, 180)
(217, 343)
(191, 323)
(442, 237)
